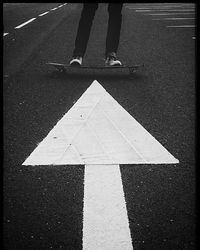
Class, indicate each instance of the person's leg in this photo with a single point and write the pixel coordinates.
(114, 28)
(84, 27)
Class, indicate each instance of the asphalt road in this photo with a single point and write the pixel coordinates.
(43, 205)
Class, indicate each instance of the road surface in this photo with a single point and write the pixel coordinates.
(43, 205)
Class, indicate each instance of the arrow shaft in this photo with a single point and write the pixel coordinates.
(105, 219)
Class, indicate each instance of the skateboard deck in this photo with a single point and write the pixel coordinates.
(67, 68)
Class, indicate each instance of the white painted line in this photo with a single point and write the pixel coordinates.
(5, 34)
(161, 8)
(168, 14)
(54, 8)
(143, 10)
(181, 26)
(193, 37)
(186, 10)
(99, 131)
(174, 18)
(44, 13)
(158, 6)
(105, 219)
(23, 24)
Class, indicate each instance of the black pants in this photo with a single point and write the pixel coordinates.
(85, 24)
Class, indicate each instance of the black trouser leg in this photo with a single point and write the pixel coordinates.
(114, 28)
(85, 24)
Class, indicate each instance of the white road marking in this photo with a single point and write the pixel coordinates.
(5, 34)
(193, 37)
(32, 19)
(174, 18)
(59, 6)
(105, 219)
(167, 14)
(186, 10)
(143, 10)
(160, 6)
(23, 24)
(181, 26)
(54, 8)
(99, 131)
(100, 134)
(44, 13)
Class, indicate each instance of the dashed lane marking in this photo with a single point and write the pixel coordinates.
(44, 13)
(23, 24)
(32, 19)
(54, 8)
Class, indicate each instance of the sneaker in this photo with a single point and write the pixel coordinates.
(76, 61)
(112, 60)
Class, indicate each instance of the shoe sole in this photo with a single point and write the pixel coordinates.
(75, 64)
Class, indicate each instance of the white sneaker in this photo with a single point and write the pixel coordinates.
(112, 60)
(76, 61)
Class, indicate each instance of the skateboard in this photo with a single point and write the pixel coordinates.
(67, 68)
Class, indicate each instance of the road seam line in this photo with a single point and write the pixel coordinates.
(126, 139)
(99, 142)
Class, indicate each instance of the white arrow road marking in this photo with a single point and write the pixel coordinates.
(105, 220)
(99, 133)
(97, 130)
